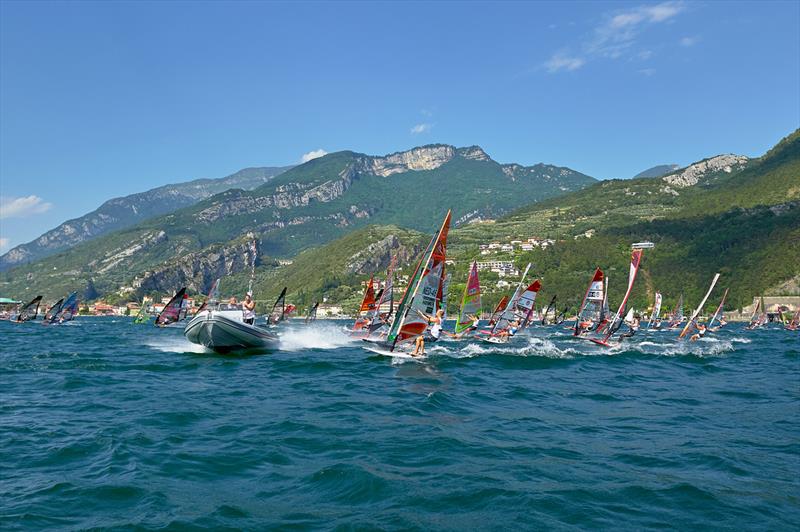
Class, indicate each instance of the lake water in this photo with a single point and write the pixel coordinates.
(107, 424)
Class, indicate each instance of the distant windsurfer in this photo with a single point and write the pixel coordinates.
(431, 335)
(249, 309)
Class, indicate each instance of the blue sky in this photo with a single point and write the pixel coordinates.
(105, 99)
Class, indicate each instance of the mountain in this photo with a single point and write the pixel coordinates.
(119, 213)
(728, 213)
(658, 171)
(304, 207)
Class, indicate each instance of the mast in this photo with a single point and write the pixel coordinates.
(636, 258)
(470, 301)
(719, 308)
(699, 308)
(431, 263)
(595, 285)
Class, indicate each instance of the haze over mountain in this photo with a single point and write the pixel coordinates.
(310, 205)
(119, 213)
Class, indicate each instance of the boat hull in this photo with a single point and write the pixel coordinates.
(225, 334)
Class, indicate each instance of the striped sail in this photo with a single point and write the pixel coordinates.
(470, 302)
(510, 312)
(527, 302)
(424, 290)
(656, 310)
(636, 259)
(699, 309)
(591, 307)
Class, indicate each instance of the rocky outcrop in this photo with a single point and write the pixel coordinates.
(197, 271)
(422, 158)
(693, 174)
(108, 261)
(285, 197)
(376, 256)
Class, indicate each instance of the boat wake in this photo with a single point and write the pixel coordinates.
(314, 336)
(175, 344)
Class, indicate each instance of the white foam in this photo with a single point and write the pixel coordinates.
(175, 344)
(532, 346)
(314, 336)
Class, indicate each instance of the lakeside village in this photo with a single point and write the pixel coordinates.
(507, 273)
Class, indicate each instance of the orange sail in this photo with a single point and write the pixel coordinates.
(424, 292)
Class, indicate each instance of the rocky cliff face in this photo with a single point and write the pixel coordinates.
(695, 173)
(422, 158)
(198, 271)
(376, 256)
(120, 213)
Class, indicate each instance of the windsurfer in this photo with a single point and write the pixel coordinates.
(633, 327)
(249, 309)
(430, 335)
(509, 331)
(472, 328)
(701, 331)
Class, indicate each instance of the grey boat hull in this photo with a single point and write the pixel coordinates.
(216, 331)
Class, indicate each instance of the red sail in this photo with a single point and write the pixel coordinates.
(368, 303)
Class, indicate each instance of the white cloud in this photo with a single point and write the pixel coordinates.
(3, 243)
(562, 61)
(647, 71)
(688, 41)
(617, 35)
(421, 128)
(21, 207)
(313, 154)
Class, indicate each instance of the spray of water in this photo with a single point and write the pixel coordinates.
(317, 335)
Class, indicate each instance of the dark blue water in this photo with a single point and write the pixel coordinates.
(108, 424)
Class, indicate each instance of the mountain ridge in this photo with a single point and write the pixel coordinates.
(310, 205)
(113, 214)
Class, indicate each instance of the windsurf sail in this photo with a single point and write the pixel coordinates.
(445, 291)
(676, 318)
(562, 316)
(527, 303)
(470, 301)
(510, 312)
(29, 311)
(387, 294)
(142, 316)
(656, 311)
(424, 291)
(764, 317)
(213, 295)
(312, 312)
(172, 310)
(498, 309)
(278, 312)
(691, 323)
(615, 322)
(550, 307)
(368, 305)
(719, 313)
(69, 309)
(53, 311)
(591, 308)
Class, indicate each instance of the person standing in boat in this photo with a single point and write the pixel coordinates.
(430, 335)
(249, 309)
